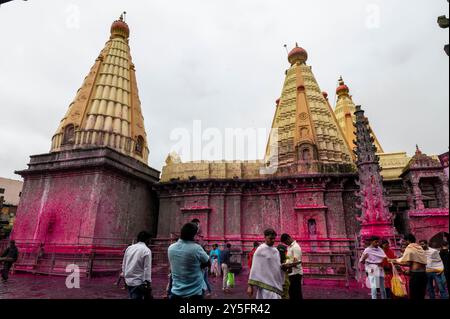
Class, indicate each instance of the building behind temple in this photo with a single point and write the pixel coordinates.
(10, 192)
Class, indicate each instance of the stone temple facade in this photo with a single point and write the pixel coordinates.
(307, 183)
(93, 192)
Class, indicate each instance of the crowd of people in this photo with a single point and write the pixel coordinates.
(275, 272)
(419, 269)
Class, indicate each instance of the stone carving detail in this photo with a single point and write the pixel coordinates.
(375, 217)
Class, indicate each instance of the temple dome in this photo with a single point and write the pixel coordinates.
(119, 28)
(342, 88)
(297, 54)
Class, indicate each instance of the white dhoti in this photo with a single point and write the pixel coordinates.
(266, 294)
(266, 276)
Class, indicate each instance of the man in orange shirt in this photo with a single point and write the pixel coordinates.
(251, 253)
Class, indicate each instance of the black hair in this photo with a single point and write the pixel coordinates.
(373, 238)
(188, 232)
(384, 242)
(195, 220)
(282, 250)
(270, 232)
(144, 236)
(423, 241)
(444, 243)
(410, 237)
(255, 244)
(228, 245)
(285, 237)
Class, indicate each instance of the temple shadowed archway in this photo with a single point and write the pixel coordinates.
(437, 240)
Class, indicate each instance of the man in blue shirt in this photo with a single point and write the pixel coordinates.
(187, 259)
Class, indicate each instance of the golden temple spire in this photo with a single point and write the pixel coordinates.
(106, 111)
(344, 111)
(308, 132)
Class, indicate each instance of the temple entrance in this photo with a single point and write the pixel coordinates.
(437, 240)
(399, 208)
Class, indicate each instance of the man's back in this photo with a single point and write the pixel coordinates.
(186, 259)
(434, 261)
(295, 251)
(137, 264)
(225, 256)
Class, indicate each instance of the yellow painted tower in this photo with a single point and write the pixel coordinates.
(307, 130)
(344, 111)
(106, 110)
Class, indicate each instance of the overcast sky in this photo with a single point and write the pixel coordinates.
(223, 62)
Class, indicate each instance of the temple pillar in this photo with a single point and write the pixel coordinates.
(417, 192)
(443, 192)
(217, 219)
(232, 217)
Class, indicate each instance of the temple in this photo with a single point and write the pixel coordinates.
(93, 192)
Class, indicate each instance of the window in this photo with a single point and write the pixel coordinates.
(2, 190)
(312, 227)
(139, 145)
(69, 134)
(306, 155)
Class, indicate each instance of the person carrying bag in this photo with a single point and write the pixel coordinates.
(398, 287)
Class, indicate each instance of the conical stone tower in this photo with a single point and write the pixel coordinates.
(106, 110)
(308, 138)
(93, 191)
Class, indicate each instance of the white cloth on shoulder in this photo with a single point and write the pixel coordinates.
(266, 274)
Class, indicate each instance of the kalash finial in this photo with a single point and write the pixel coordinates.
(418, 151)
(120, 28)
(297, 54)
(122, 16)
(342, 88)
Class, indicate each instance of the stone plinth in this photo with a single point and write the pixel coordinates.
(84, 200)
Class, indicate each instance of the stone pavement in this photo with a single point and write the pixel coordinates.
(24, 286)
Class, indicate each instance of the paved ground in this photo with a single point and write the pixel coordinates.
(22, 286)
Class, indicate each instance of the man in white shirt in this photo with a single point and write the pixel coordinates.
(137, 268)
(294, 255)
(373, 257)
(435, 271)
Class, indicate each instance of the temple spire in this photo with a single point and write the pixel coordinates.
(345, 115)
(308, 133)
(106, 111)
